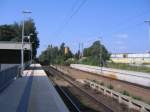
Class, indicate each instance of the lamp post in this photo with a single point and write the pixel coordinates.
(22, 42)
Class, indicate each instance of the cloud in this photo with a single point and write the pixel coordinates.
(118, 42)
(122, 36)
(122, 47)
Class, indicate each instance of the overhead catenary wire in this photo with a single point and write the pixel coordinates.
(141, 14)
(123, 28)
(129, 19)
(74, 10)
(78, 5)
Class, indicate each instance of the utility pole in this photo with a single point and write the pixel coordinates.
(82, 49)
(22, 50)
(148, 22)
(51, 55)
(101, 50)
(79, 50)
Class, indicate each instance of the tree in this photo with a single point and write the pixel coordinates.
(96, 54)
(30, 28)
(62, 48)
(13, 32)
(55, 55)
(7, 33)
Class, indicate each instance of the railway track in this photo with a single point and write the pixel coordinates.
(71, 81)
(66, 98)
(129, 83)
(120, 75)
(119, 85)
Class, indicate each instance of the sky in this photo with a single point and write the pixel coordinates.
(119, 24)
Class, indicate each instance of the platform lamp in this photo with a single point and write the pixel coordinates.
(22, 42)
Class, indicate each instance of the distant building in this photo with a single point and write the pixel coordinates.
(131, 58)
(66, 50)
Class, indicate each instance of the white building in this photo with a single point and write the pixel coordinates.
(132, 58)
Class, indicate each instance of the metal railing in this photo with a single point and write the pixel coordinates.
(130, 102)
(7, 73)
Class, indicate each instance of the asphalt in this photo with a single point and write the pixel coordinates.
(31, 93)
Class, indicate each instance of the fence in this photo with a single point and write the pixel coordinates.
(7, 73)
(132, 103)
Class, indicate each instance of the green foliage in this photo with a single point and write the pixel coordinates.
(70, 61)
(13, 32)
(125, 93)
(128, 67)
(110, 86)
(7, 33)
(102, 83)
(96, 54)
(134, 97)
(31, 29)
(137, 98)
(91, 60)
(55, 55)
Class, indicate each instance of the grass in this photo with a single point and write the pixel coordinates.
(125, 93)
(102, 83)
(134, 97)
(137, 98)
(128, 67)
(110, 86)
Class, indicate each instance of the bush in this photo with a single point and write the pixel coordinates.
(137, 97)
(90, 61)
(128, 67)
(125, 93)
(69, 61)
(102, 83)
(110, 86)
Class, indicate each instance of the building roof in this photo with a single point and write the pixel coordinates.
(14, 45)
(10, 52)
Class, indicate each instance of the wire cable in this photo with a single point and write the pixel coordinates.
(74, 12)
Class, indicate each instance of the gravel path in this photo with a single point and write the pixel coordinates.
(119, 86)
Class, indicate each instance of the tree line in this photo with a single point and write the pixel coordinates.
(13, 32)
(96, 54)
(55, 55)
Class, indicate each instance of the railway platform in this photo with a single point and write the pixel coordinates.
(31, 93)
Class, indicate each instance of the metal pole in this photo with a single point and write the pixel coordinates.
(51, 54)
(79, 51)
(22, 50)
(82, 49)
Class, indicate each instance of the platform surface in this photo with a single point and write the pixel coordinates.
(31, 93)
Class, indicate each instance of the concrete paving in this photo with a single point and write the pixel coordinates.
(31, 93)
